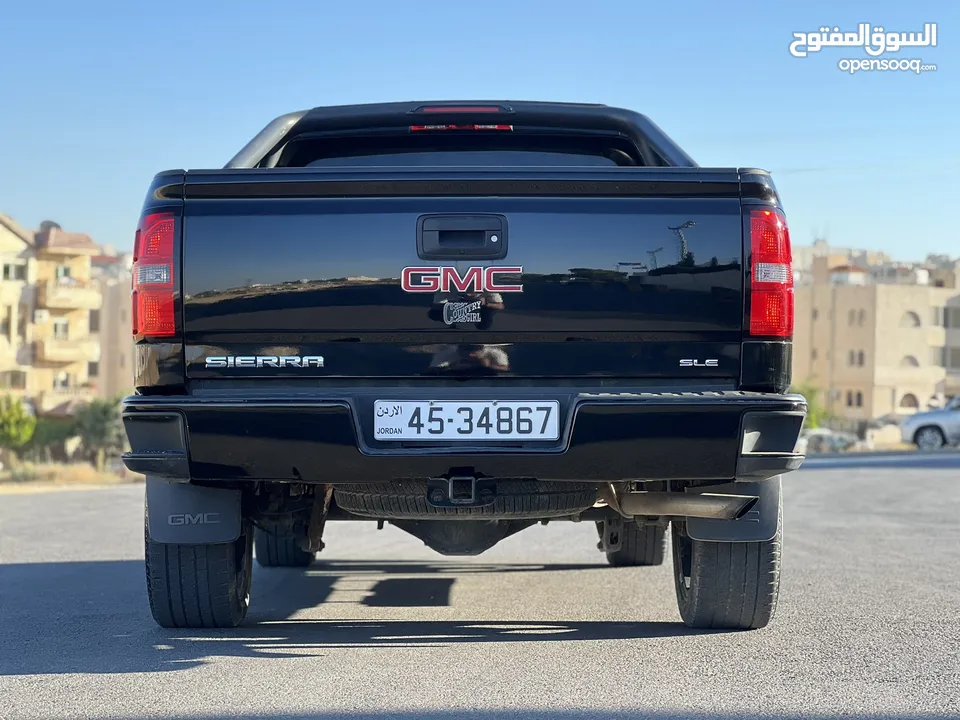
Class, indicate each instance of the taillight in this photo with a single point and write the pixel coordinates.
(771, 275)
(153, 281)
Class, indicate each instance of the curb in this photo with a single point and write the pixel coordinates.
(884, 454)
(38, 488)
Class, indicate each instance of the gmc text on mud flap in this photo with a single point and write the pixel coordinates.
(210, 518)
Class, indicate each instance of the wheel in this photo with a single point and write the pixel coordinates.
(929, 437)
(726, 585)
(280, 551)
(640, 545)
(199, 586)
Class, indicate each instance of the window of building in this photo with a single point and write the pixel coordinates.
(861, 317)
(849, 398)
(909, 402)
(860, 358)
(61, 329)
(951, 317)
(909, 361)
(14, 380)
(61, 381)
(93, 369)
(953, 358)
(815, 313)
(938, 356)
(22, 316)
(859, 399)
(94, 321)
(851, 357)
(14, 271)
(910, 319)
(63, 272)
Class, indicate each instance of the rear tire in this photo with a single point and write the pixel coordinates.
(641, 545)
(929, 437)
(280, 551)
(726, 585)
(199, 586)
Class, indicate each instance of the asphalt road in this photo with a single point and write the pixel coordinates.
(539, 627)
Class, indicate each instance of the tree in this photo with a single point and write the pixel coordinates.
(49, 439)
(101, 430)
(817, 414)
(16, 425)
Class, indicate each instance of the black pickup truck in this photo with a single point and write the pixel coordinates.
(463, 319)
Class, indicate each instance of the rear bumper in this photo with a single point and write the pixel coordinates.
(605, 437)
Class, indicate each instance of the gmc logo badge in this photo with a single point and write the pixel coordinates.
(198, 519)
(449, 279)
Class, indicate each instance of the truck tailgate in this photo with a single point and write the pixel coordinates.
(624, 273)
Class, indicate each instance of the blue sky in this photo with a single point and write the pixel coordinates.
(95, 97)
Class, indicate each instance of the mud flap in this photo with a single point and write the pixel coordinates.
(179, 513)
(758, 525)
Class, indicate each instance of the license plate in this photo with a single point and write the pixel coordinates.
(454, 420)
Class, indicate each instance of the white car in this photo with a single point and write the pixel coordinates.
(933, 429)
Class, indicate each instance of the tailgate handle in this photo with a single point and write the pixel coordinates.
(462, 237)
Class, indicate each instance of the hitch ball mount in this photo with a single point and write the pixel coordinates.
(461, 491)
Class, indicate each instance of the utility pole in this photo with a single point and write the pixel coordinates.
(653, 257)
(683, 241)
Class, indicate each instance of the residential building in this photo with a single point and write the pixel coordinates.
(17, 300)
(875, 348)
(66, 349)
(111, 272)
(49, 341)
(951, 318)
(804, 255)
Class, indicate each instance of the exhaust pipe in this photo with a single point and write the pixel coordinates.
(677, 504)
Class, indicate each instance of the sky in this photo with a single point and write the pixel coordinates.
(96, 97)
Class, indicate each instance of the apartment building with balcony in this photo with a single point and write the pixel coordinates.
(17, 300)
(66, 337)
(875, 348)
(50, 346)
